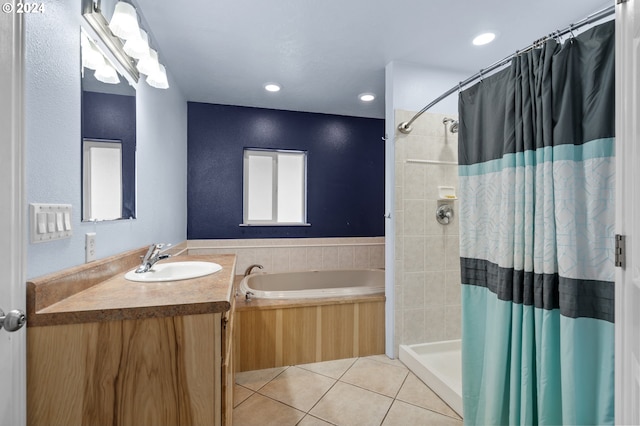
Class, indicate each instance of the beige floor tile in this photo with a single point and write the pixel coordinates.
(403, 414)
(333, 369)
(415, 392)
(298, 388)
(240, 393)
(256, 379)
(376, 376)
(387, 360)
(259, 410)
(309, 420)
(348, 405)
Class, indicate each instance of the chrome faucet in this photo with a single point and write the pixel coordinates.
(153, 255)
(250, 269)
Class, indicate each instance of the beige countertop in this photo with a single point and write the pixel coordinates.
(65, 298)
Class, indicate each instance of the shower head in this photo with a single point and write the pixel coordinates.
(453, 128)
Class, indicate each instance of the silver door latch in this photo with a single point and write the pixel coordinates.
(13, 320)
(621, 249)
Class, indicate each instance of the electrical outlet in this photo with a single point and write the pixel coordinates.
(90, 247)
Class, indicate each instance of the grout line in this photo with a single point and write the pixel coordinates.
(387, 413)
(400, 388)
(320, 399)
(393, 399)
(243, 401)
(315, 417)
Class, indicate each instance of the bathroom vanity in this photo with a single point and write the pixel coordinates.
(105, 350)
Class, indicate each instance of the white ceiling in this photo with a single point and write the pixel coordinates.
(325, 52)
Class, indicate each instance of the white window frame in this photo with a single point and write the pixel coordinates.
(273, 154)
(90, 198)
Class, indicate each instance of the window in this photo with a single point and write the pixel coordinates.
(275, 187)
(102, 179)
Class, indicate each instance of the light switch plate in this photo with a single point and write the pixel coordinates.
(50, 214)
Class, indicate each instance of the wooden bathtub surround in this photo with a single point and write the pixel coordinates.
(275, 333)
(130, 355)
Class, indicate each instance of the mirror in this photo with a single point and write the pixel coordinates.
(108, 137)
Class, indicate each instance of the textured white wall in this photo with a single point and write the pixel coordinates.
(52, 125)
(414, 86)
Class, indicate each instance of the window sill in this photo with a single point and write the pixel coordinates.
(276, 224)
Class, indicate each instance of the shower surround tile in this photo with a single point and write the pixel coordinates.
(414, 217)
(422, 245)
(414, 254)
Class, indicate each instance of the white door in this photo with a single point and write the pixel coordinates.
(12, 280)
(628, 211)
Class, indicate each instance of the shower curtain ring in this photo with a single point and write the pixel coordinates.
(571, 32)
(481, 76)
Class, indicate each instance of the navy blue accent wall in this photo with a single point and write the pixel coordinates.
(109, 116)
(345, 170)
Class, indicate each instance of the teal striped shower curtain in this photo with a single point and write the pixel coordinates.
(536, 149)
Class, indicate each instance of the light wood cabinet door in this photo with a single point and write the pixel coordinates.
(155, 371)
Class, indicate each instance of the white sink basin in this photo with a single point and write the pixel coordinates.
(174, 271)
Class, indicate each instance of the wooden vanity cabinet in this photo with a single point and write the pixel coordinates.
(228, 364)
(175, 370)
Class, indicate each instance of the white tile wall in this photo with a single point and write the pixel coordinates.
(427, 284)
(297, 254)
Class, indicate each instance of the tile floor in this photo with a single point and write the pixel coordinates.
(366, 391)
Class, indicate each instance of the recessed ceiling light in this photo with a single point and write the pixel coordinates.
(484, 38)
(272, 87)
(366, 97)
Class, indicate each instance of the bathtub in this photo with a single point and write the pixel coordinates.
(296, 318)
(314, 284)
(439, 366)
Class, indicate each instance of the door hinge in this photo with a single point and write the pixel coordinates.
(620, 260)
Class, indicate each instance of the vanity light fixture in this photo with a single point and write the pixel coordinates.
(366, 97)
(91, 56)
(484, 38)
(107, 73)
(138, 47)
(272, 87)
(124, 22)
(149, 65)
(158, 79)
(127, 41)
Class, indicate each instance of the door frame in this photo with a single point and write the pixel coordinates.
(13, 220)
(626, 204)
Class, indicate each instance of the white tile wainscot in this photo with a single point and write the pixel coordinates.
(297, 254)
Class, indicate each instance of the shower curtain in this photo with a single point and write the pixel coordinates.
(536, 148)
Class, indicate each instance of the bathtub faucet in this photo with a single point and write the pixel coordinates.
(250, 269)
(153, 255)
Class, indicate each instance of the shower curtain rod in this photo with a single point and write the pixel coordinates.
(405, 126)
